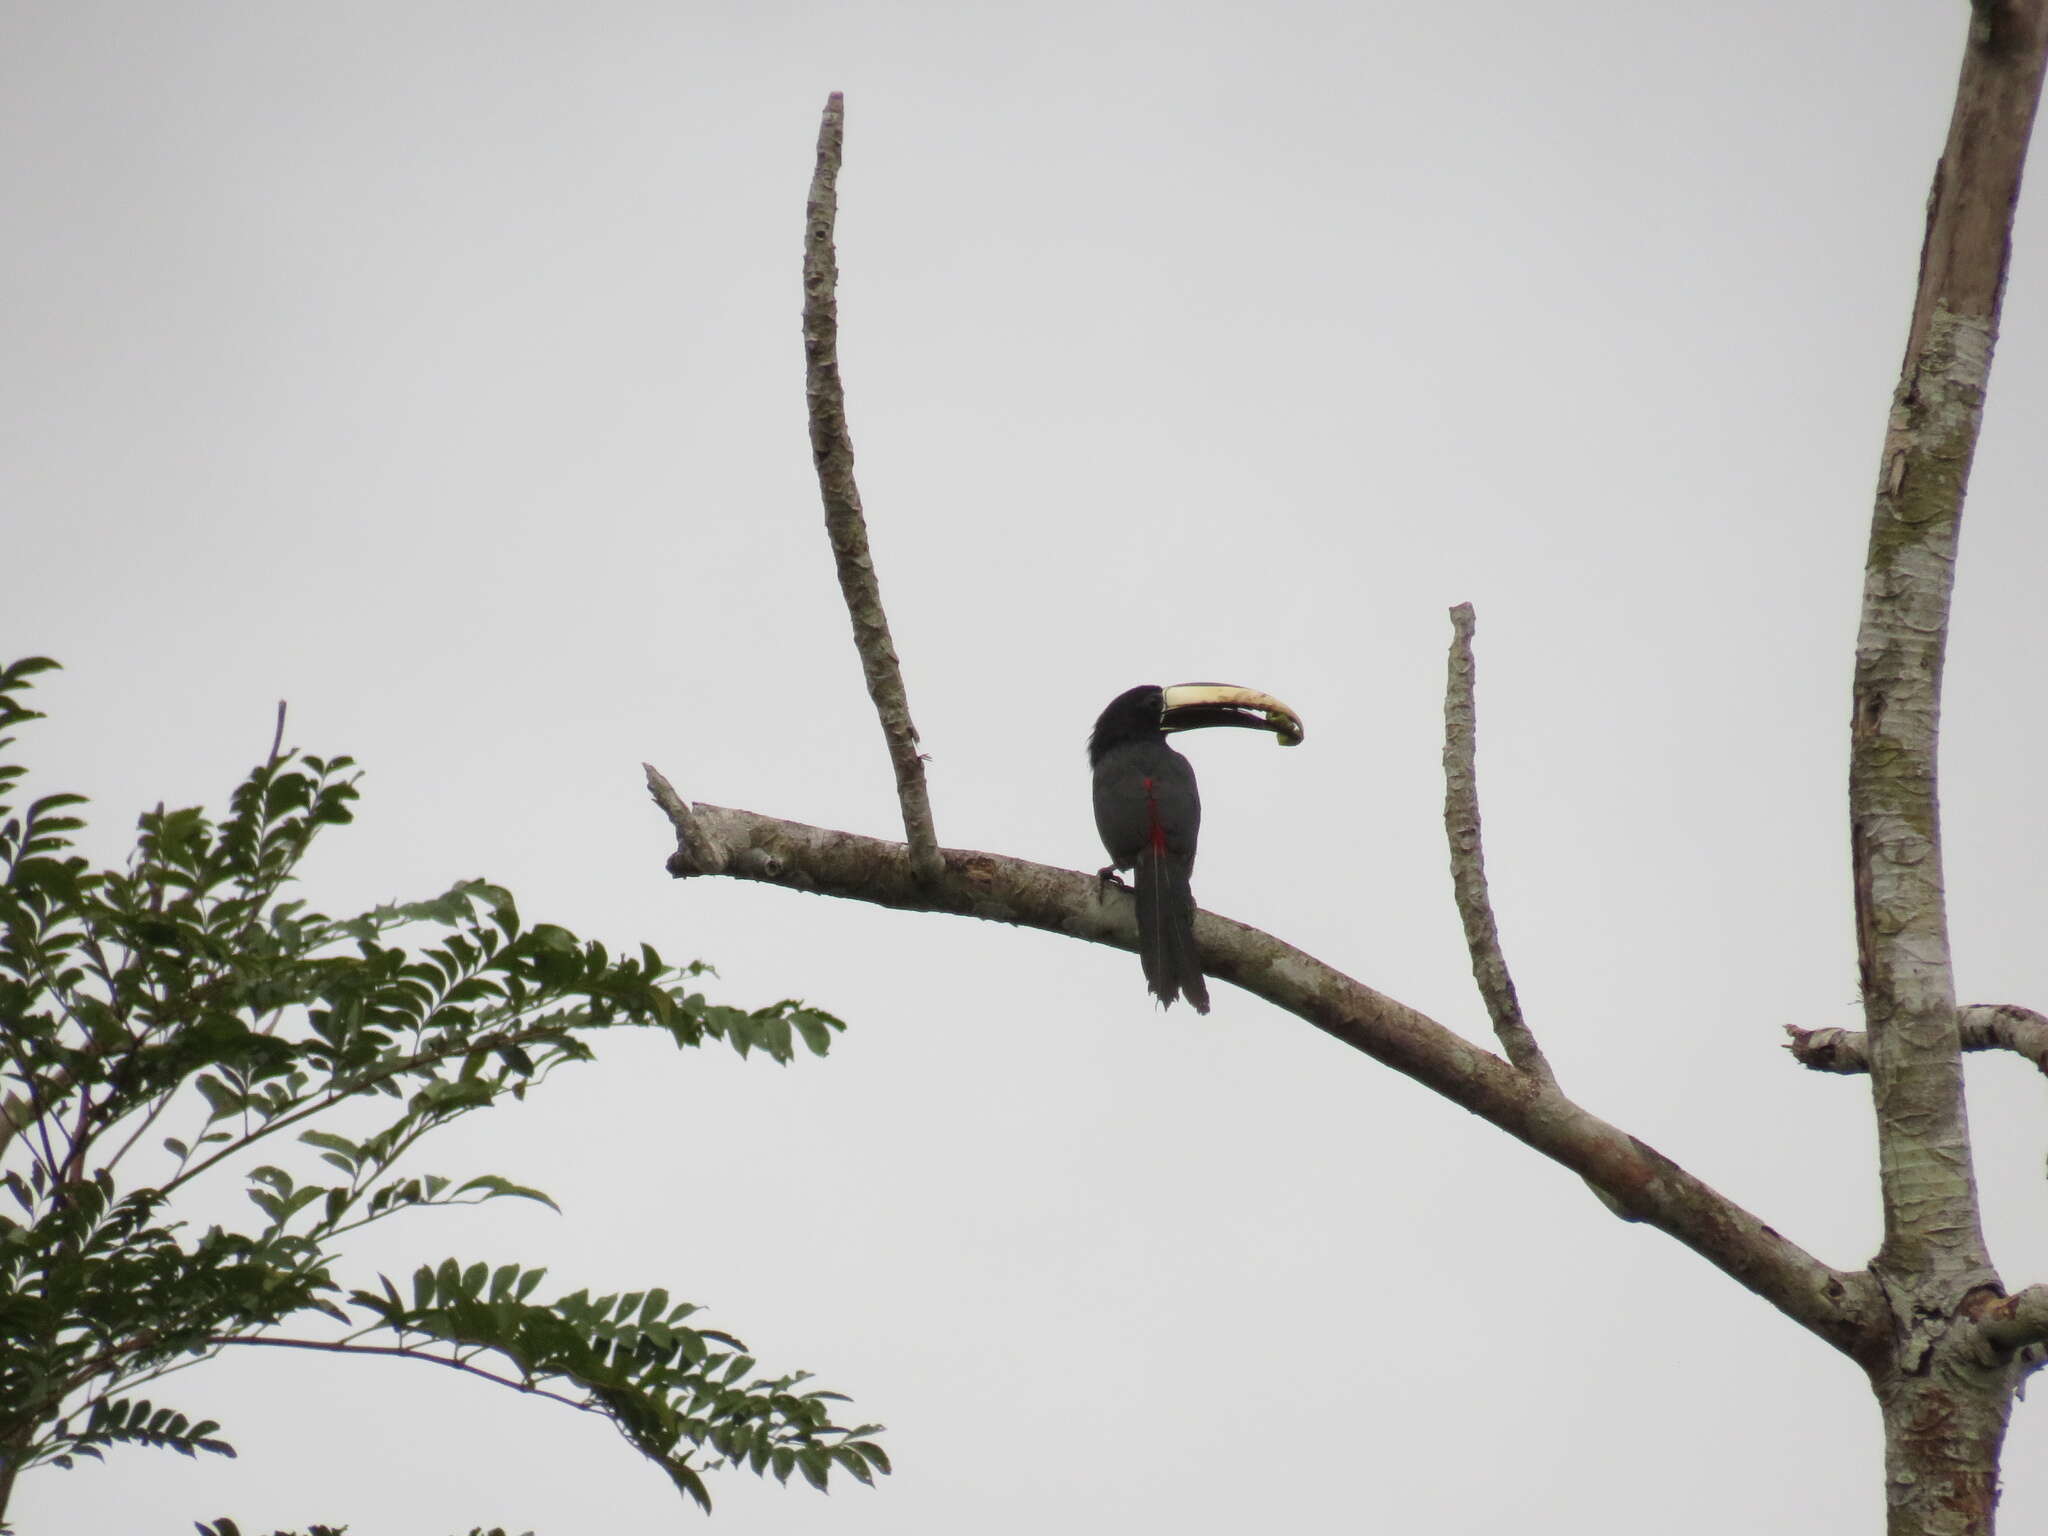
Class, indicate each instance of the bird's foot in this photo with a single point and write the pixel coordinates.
(1107, 875)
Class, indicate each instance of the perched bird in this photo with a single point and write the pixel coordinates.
(1150, 814)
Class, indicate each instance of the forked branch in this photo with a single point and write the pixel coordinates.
(1841, 1307)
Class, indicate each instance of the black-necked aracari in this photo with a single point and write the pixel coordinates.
(1149, 813)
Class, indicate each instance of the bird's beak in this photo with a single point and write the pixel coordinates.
(1194, 706)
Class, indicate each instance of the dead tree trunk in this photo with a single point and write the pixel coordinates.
(1945, 1395)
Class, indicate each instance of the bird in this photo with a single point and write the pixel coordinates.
(1149, 812)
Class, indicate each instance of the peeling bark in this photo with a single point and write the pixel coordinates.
(1943, 1435)
(1909, 1004)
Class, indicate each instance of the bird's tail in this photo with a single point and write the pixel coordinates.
(1166, 931)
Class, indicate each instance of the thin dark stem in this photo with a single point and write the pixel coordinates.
(327, 1098)
(407, 1352)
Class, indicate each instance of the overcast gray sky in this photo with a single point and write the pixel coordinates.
(436, 367)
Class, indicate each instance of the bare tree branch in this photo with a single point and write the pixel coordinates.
(705, 855)
(2012, 1323)
(1468, 856)
(1933, 1232)
(845, 524)
(1841, 1307)
(1981, 1027)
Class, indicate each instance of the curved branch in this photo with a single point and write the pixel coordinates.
(406, 1352)
(1841, 1307)
(845, 524)
(1980, 1027)
(1468, 857)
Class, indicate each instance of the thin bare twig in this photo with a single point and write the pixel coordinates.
(1468, 857)
(1982, 1026)
(832, 454)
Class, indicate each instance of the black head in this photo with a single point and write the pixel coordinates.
(1150, 712)
(1134, 715)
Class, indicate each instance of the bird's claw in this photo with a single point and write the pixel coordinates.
(1107, 875)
